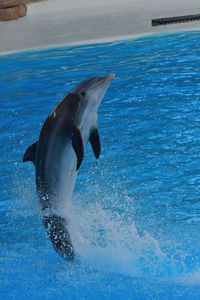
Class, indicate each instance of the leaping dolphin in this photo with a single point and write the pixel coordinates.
(58, 154)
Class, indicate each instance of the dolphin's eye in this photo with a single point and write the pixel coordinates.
(83, 93)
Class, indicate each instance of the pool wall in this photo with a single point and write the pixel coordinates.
(63, 22)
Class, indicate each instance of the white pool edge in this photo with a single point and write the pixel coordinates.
(107, 40)
(66, 23)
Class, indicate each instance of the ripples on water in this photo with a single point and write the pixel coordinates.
(135, 214)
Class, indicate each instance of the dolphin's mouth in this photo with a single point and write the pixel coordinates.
(94, 83)
(110, 76)
(102, 81)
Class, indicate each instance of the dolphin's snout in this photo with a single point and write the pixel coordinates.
(111, 76)
(108, 78)
(93, 83)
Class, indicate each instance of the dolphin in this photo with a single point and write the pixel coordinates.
(58, 154)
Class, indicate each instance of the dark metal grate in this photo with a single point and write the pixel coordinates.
(165, 21)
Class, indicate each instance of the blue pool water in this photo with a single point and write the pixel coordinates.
(135, 213)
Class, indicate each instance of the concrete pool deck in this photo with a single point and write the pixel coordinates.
(64, 22)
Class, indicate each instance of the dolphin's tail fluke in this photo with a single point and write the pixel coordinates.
(56, 228)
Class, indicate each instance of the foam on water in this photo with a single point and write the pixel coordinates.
(103, 240)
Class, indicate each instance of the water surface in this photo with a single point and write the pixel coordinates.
(135, 213)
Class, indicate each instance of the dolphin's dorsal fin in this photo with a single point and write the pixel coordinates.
(95, 142)
(77, 144)
(30, 153)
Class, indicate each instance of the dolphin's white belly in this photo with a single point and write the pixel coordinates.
(68, 163)
(88, 122)
(67, 177)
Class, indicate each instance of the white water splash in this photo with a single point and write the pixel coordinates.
(103, 240)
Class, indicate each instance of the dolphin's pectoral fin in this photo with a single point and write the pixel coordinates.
(95, 142)
(77, 144)
(30, 153)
